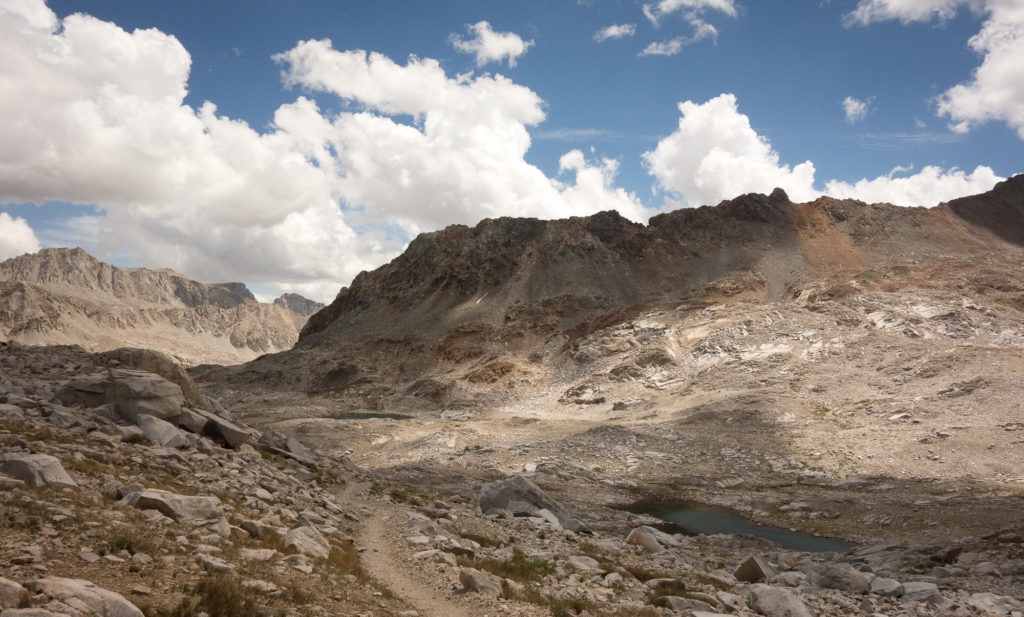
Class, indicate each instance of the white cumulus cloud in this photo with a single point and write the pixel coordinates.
(715, 154)
(490, 46)
(995, 92)
(95, 115)
(856, 109)
(615, 31)
(462, 161)
(16, 237)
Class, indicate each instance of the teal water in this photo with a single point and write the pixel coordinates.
(695, 519)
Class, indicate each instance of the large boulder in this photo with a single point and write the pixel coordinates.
(886, 587)
(87, 597)
(777, 602)
(844, 577)
(754, 570)
(11, 593)
(161, 432)
(37, 470)
(482, 582)
(308, 541)
(130, 392)
(922, 592)
(991, 604)
(29, 612)
(225, 431)
(288, 446)
(521, 497)
(184, 508)
(192, 421)
(153, 361)
(650, 539)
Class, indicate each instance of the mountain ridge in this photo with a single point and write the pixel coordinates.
(462, 274)
(67, 296)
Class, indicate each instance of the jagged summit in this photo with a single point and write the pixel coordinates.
(298, 304)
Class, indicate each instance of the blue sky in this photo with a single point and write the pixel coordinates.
(318, 161)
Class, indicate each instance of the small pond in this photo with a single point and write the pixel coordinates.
(694, 519)
(369, 415)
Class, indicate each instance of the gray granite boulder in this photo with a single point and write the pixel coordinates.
(161, 432)
(11, 593)
(650, 539)
(482, 582)
(521, 497)
(777, 602)
(844, 577)
(37, 470)
(308, 541)
(131, 392)
(185, 508)
(754, 570)
(87, 597)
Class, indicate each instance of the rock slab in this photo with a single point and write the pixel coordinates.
(85, 596)
(37, 470)
(186, 508)
(521, 497)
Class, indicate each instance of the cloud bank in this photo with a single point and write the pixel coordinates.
(95, 115)
(715, 154)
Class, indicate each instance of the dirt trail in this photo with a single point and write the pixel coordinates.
(382, 558)
(382, 561)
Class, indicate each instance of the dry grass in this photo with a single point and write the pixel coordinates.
(345, 560)
(131, 540)
(219, 595)
(643, 574)
(519, 568)
(482, 540)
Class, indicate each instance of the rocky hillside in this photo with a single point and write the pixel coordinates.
(66, 296)
(121, 497)
(759, 247)
(508, 302)
(838, 367)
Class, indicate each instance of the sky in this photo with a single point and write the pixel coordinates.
(291, 144)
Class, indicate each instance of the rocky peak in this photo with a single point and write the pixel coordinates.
(72, 269)
(298, 304)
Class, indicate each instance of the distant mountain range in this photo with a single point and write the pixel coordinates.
(66, 296)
